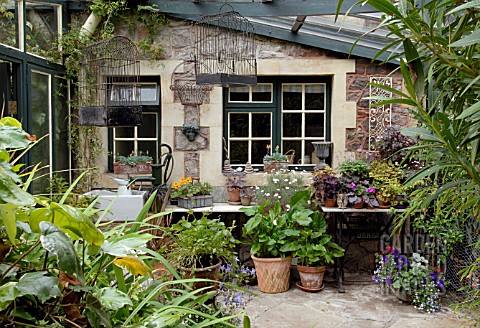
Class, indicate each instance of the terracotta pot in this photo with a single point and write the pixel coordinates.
(273, 274)
(383, 204)
(211, 272)
(311, 277)
(358, 205)
(234, 195)
(330, 202)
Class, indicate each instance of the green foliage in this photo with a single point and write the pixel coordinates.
(61, 270)
(200, 242)
(134, 159)
(277, 156)
(440, 69)
(354, 168)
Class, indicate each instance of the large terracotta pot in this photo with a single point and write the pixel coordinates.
(311, 277)
(329, 202)
(234, 196)
(273, 274)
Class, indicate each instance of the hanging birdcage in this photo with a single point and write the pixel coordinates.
(184, 86)
(109, 90)
(225, 50)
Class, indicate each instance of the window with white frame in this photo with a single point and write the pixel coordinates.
(290, 112)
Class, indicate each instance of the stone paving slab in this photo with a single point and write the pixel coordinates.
(360, 306)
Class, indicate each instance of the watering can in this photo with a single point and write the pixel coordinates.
(123, 186)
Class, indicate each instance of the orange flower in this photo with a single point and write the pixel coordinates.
(176, 185)
(183, 181)
(189, 180)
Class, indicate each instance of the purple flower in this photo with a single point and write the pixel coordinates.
(388, 281)
(404, 259)
(353, 185)
(385, 258)
(434, 276)
(371, 190)
(441, 284)
(395, 252)
(400, 265)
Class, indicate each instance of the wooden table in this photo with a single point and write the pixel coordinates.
(340, 218)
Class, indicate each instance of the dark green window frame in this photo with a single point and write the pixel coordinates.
(234, 110)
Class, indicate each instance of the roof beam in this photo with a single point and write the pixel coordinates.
(253, 9)
(298, 23)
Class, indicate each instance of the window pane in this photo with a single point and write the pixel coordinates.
(238, 93)
(314, 125)
(124, 132)
(148, 129)
(41, 29)
(314, 97)
(238, 125)
(292, 97)
(148, 92)
(292, 125)
(8, 35)
(123, 148)
(40, 126)
(261, 125)
(60, 128)
(148, 148)
(262, 92)
(259, 149)
(238, 152)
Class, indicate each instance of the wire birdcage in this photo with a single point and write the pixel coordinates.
(109, 90)
(184, 86)
(225, 50)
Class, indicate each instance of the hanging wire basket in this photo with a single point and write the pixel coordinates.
(184, 86)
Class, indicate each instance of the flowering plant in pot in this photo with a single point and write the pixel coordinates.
(411, 279)
(326, 185)
(357, 192)
(192, 193)
(370, 198)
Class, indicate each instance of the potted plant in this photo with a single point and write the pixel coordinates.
(273, 234)
(411, 279)
(133, 164)
(275, 161)
(246, 195)
(370, 198)
(192, 193)
(357, 192)
(200, 246)
(314, 247)
(235, 182)
(326, 185)
(354, 170)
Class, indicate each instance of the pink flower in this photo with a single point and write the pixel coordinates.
(353, 185)
(371, 190)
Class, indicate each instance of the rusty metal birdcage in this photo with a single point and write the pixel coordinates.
(225, 50)
(184, 86)
(109, 90)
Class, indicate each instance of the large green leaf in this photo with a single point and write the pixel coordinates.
(12, 137)
(112, 298)
(7, 213)
(123, 245)
(58, 243)
(8, 292)
(36, 283)
(70, 220)
(468, 40)
(11, 193)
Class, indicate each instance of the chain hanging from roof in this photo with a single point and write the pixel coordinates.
(225, 50)
(184, 86)
(380, 117)
(109, 90)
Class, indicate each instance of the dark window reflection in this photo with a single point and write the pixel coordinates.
(261, 125)
(314, 125)
(239, 125)
(238, 152)
(292, 125)
(314, 97)
(148, 128)
(259, 149)
(239, 93)
(292, 97)
(262, 92)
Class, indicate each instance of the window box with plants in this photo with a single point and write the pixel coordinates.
(192, 193)
(275, 162)
(133, 164)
